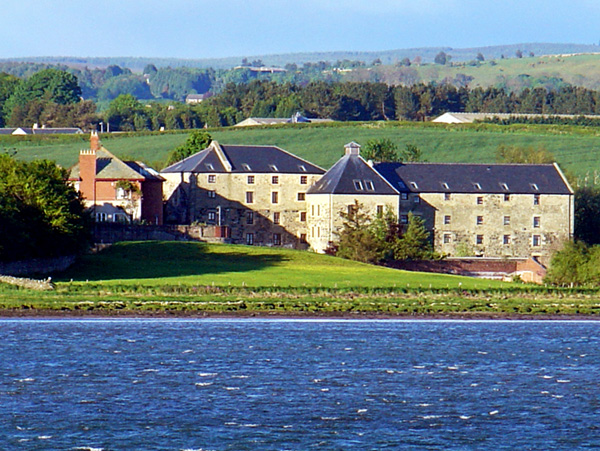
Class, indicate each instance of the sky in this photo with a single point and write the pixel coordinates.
(224, 28)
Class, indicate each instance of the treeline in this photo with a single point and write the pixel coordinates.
(54, 97)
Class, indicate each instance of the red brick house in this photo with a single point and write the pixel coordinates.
(116, 190)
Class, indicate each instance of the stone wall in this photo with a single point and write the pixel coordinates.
(108, 233)
(39, 266)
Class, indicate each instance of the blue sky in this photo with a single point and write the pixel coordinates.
(220, 28)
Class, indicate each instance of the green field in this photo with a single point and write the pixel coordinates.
(574, 147)
(153, 264)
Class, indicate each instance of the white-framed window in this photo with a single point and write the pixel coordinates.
(250, 239)
(277, 239)
(249, 217)
(212, 216)
(212, 178)
(416, 199)
(302, 216)
(303, 180)
(404, 196)
(536, 222)
(479, 200)
(479, 220)
(369, 185)
(276, 217)
(123, 193)
(301, 196)
(358, 185)
(536, 199)
(101, 217)
(447, 219)
(447, 238)
(536, 240)
(507, 220)
(275, 180)
(506, 240)
(447, 196)
(250, 180)
(479, 239)
(212, 194)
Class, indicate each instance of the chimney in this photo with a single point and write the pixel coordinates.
(94, 141)
(352, 148)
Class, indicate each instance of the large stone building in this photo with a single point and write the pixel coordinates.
(256, 193)
(116, 190)
(264, 195)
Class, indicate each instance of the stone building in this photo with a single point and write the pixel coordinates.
(350, 179)
(116, 190)
(257, 194)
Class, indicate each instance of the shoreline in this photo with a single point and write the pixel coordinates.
(132, 314)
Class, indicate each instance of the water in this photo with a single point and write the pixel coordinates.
(298, 385)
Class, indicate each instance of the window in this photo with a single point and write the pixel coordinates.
(447, 219)
(379, 210)
(303, 237)
(447, 196)
(303, 180)
(504, 186)
(246, 167)
(123, 193)
(212, 216)
(506, 240)
(101, 217)
(536, 199)
(273, 168)
(537, 240)
(369, 185)
(445, 185)
(414, 185)
(534, 186)
(302, 167)
(250, 239)
(249, 217)
(351, 209)
(277, 239)
(477, 186)
(479, 200)
(276, 217)
(275, 180)
(479, 220)
(212, 178)
(302, 216)
(403, 219)
(209, 166)
(506, 197)
(479, 239)
(536, 222)
(447, 238)
(507, 220)
(404, 196)
(416, 199)
(212, 194)
(358, 186)
(249, 197)
(301, 196)
(250, 180)
(275, 197)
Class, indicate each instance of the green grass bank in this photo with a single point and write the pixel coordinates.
(177, 278)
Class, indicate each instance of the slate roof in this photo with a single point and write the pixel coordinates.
(109, 167)
(244, 159)
(351, 175)
(474, 178)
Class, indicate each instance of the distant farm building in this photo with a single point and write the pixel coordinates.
(43, 130)
(192, 99)
(295, 119)
(469, 118)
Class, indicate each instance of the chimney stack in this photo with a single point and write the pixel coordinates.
(94, 141)
(352, 148)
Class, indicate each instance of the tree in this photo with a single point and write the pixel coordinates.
(519, 53)
(587, 219)
(122, 111)
(411, 153)
(379, 150)
(197, 141)
(356, 242)
(415, 244)
(442, 58)
(567, 266)
(480, 57)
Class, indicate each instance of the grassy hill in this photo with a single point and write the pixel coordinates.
(574, 147)
(131, 264)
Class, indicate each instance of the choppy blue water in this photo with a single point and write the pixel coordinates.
(298, 385)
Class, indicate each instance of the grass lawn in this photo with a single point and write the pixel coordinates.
(574, 147)
(187, 263)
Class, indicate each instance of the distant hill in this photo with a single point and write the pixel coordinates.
(427, 54)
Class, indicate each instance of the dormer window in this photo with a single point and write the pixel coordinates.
(246, 167)
(414, 185)
(477, 186)
(401, 184)
(358, 185)
(273, 168)
(534, 186)
(369, 185)
(302, 168)
(504, 186)
(209, 166)
(445, 185)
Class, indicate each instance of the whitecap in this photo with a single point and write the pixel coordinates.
(230, 423)
(474, 385)
(287, 426)
(453, 368)
(23, 440)
(424, 405)
(243, 376)
(465, 417)
(389, 371)
(250, 425)
(130, 341)
(316, 381)
(545, 392)
(88, 448)
(150, 370)
(482, 352)
(558, 396)
(546, 377)
(494, 412)
(187, 351)
(207, 374)
(347, 349)
(563, 381)
(330, 418)
(325, 389)
(27, 379)
(419, 367)
(44, 437)
(361, 410)
(117, 352)
(232, 388)
(203, 384)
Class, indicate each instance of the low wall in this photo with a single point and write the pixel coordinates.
(108, 233)
(39, 266)
(528, 269)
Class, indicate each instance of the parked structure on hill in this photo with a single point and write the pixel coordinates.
(116, 190)
(43, 130)
(256, 193)
(297, 118)
(265, 195)
(469, 118)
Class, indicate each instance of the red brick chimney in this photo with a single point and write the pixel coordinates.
(87, 168)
